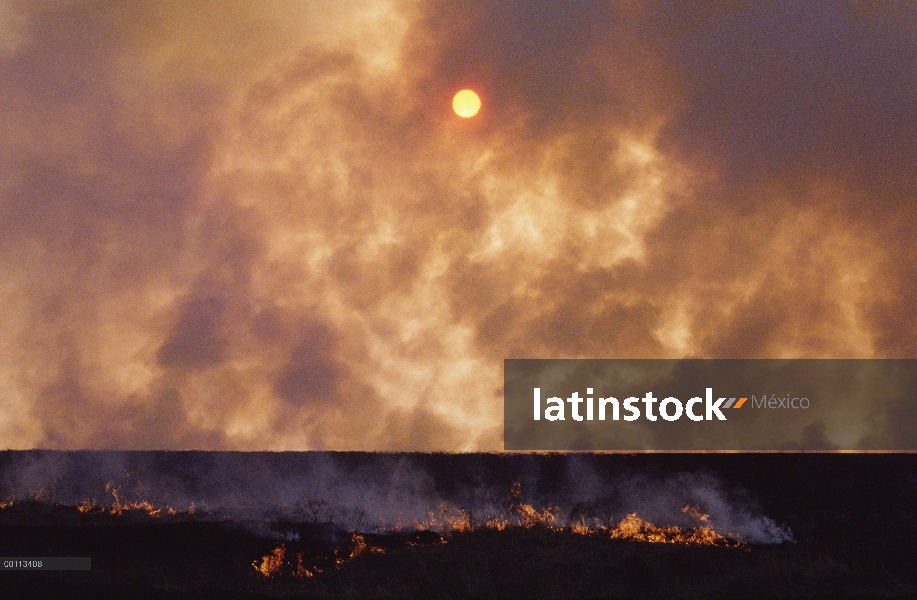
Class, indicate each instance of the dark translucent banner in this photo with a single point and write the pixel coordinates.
(46, 563)
(711, 405)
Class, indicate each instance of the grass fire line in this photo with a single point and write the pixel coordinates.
(670, 408)
(519, 516)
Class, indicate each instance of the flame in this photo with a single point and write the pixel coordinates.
(634, 528)
(581, 528)
(521, 514)
(695, 512)
(447, 518)
(119, 506)
(271, 563)
(458, 521)
(301, 570)
(517, 514)
(359, 546)
(530, 517)
(525, 515)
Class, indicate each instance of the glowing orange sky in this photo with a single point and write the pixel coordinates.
(260, 226)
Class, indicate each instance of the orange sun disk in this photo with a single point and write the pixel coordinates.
(466, 104)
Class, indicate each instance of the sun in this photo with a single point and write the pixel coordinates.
(466, 104)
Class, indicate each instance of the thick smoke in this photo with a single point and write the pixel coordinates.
(234, 226)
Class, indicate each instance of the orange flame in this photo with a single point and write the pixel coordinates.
(695, 512)
(518, 515)
(530, 517)
(634, 528)
(119, 506)
(458, 521)
(271, 563)
(301, 570)
(581, 528)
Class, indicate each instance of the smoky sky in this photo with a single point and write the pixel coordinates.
(249, 226)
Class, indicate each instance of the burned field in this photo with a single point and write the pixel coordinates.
(753, 526)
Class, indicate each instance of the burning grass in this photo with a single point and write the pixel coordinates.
(41, 507)
(521, 549)
(518, 515)
(631, 527)
(634, 528)
(276, 563)
(298, 559)
(120, 506)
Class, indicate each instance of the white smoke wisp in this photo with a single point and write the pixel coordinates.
(664, 501)
(729, 515)
(383, 492)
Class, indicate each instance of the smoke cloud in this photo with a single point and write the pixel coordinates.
(240, 226)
